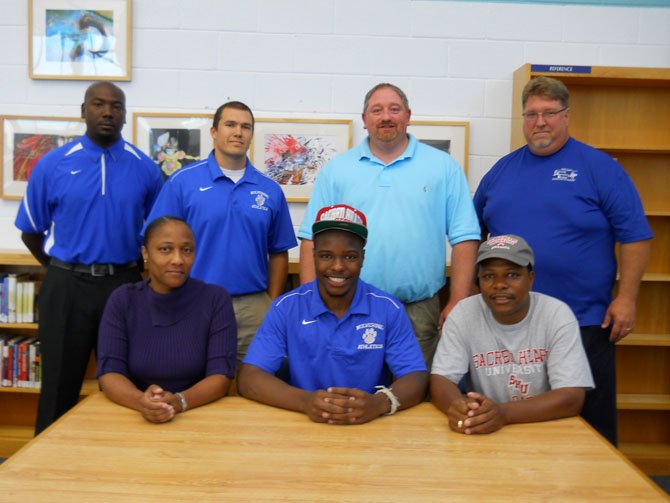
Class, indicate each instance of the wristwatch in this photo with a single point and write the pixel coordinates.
(182, 401)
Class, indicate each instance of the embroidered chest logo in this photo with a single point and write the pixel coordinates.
(564, 175)
(369, 335)
(259, 200)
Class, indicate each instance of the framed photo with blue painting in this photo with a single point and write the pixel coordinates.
(173, 140)
(293, 151)
(79, 39)
(451, 137)
(25, 140)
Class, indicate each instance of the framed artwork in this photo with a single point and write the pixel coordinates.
(452, 137)
(293, 151)
(25, 140)
(173, 140)
(79, 39)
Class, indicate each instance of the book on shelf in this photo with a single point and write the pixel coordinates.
(11, 298)
(29, 302)
(8, 360)
(3, 301)
(35, 371)
(18, 299)
(19, 361)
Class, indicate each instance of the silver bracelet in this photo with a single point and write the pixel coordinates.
(395, 403)
(182, 400)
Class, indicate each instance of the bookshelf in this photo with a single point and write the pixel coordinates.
(19, 405)
(625, 112)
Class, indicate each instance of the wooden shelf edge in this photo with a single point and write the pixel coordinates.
(641, 401)
(14, 326)
(24, 258)
(14, 431)
(606, 75)
(12, 389)
(660, 340)
(89, 387)
(12, 438)
(17, 257)
(651, 277)
(651, 458)
(656, 276)
(633, 149)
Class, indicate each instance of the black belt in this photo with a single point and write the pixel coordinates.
(93, 269)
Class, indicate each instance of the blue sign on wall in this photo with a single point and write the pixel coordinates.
(560, 69)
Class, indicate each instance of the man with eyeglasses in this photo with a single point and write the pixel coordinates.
(415, 196)
(572, 203)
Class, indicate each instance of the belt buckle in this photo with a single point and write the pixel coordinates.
(102, 269)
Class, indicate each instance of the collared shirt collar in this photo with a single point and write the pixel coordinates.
(366, 153)
(115, 149)
(359, 304)
(251, 174)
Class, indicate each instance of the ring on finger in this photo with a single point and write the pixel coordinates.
(460, 424)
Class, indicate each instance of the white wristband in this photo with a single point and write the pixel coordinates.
(395, 403)
(182, 400)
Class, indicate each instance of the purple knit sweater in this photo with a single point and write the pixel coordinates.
(172, 340)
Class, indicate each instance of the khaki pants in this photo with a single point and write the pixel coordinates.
(249, 313)
(424, 316)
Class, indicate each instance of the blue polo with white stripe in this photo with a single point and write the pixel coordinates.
(357, 351)
(236, 225)
(90, 201)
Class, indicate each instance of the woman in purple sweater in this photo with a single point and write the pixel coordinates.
(168, 343)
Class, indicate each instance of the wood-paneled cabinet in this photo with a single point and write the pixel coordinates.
(626, 113)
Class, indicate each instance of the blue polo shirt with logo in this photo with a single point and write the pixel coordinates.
(357, 351)
(90, 202)
(236, 225)
(572, 207)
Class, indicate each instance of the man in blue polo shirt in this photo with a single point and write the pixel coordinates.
(240, 220)
(341, 337)
(414, 196)
(81, 217)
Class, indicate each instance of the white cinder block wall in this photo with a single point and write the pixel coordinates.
(317, 58)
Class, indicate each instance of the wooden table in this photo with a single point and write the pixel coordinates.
(238, 450)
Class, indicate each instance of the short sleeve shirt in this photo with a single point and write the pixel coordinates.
(90, 202)
(373, 340)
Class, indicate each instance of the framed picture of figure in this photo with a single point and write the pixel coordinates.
(173, 140)
(79, 39)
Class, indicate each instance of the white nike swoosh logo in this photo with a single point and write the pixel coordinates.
(75, 172)
(305, 322)
(203, 189)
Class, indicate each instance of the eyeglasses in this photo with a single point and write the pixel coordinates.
(548, 115)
